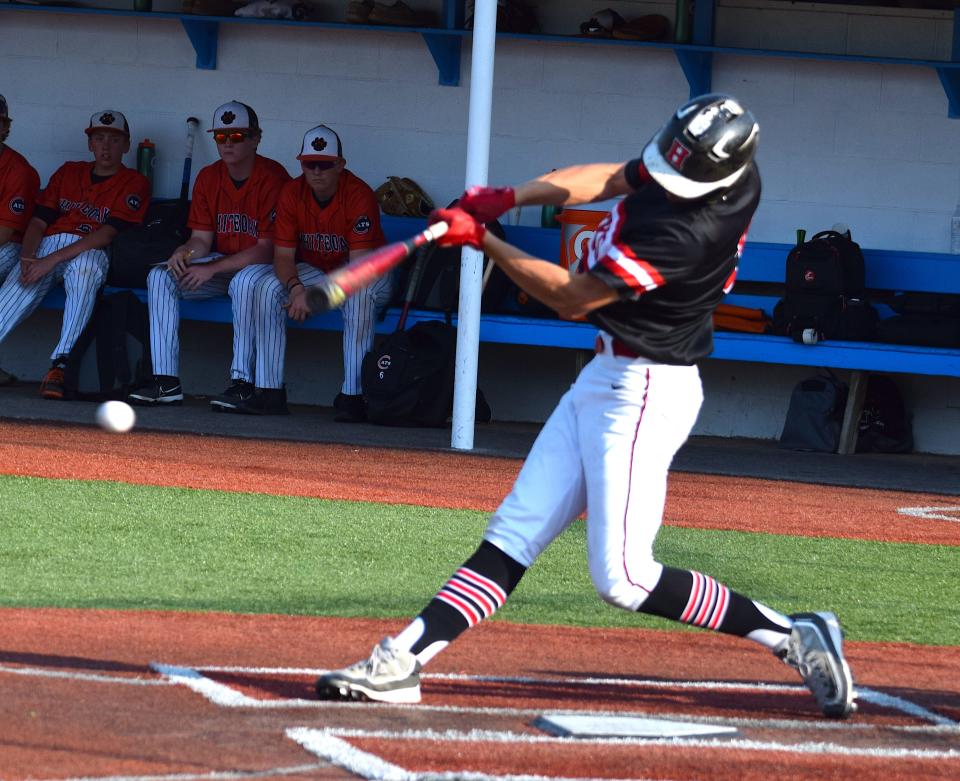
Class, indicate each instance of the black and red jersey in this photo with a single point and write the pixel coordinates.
(671, 261)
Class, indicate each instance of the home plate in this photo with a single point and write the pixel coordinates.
(580, 726)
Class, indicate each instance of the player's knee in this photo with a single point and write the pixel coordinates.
(624, 590)
(158, 277)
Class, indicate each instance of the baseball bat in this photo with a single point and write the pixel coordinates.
(339, 285)
(193, 124)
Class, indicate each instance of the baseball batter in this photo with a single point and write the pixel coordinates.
(231, 224)
(656, 269)
(326, 217)
(19, 185)
(83, 207)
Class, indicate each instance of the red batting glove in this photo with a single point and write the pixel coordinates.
(464, 229)
(487, 203)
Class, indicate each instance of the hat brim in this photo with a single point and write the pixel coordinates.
(312, 158)
(104, 129)
(670, 180)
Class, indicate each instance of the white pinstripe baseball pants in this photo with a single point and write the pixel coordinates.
(359, 320)
(606, 448)
(9, 257)
(82, 278)
(163, 299)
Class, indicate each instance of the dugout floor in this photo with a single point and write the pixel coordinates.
(708, 455)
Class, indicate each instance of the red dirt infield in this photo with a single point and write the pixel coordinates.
(180, 696)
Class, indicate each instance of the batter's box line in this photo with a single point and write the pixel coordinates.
(228, 697)
(332, 746)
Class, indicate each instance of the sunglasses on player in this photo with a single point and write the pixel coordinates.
(236, 136)
(318, 165)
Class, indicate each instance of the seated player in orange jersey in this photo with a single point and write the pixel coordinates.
(83, 207)
(325, 218)
(19, 185)
(231, 223)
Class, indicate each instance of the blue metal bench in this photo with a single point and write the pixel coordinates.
(762, 267)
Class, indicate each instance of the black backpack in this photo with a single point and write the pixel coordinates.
(135, 251)
(117, 342)
(884, 425)
(825, 291)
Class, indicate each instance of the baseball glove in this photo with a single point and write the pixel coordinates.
(403, 197)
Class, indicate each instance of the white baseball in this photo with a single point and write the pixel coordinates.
(116, 416)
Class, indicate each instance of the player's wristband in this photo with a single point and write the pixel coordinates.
(295, 281)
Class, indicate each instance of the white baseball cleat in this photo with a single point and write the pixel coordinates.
(389, 675)
(815, 650)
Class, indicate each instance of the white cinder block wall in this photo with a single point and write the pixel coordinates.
(862, 143)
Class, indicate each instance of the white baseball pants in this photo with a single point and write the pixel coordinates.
(9, 258)
(359, 321)
(82, 278)
(163, 299)
(605, 449)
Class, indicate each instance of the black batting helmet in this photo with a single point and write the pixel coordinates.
(706, 146)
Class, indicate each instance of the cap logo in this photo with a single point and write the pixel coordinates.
(809, 276)
(677, 154)
(227, 117)
(107, 118)
(319, 143)
(383, 363)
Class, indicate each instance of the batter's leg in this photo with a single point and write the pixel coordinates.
(83, 276)
(636, 418)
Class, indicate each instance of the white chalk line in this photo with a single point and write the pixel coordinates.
(41, 672)
(326, 745)
(223, 695)
(304, 735)
(932, 513)
(215, 775)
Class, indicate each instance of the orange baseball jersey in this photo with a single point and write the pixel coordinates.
(19, 186)
(239, 216)
(85, 205)
(324, 236)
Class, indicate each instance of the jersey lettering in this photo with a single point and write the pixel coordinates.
(237, 223)
(86, 209)
(324, 242)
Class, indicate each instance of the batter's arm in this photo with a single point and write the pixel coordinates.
(99, 239)
(571, 295)
(575, 185)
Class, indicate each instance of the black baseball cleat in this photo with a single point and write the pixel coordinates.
(389, 675)
(162, 391)
(815, 650)
(349, 409)
(238, 392)
(264, 401)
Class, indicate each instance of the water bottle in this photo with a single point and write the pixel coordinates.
(548, 216)
(146, 159)
(955, 231)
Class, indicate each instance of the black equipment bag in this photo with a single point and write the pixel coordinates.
(884, 425)
(408, 377)
(117, 341)
(135, 251)
(825, 291)
(815, 415)
(931, 319)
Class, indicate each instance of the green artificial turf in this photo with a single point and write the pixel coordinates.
(99, 544)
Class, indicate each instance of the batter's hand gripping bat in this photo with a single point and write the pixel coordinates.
(339, 285)
(193, 124)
